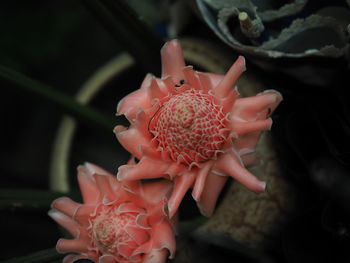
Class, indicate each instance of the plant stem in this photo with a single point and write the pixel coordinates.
(11, 78)
(28, 200)
(47, 255)
(126, 27)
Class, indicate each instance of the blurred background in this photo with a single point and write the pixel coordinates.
(55, 53)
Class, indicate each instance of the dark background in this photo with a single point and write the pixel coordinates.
(61, 44)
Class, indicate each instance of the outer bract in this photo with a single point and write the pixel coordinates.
(193, 128)
(117, 223)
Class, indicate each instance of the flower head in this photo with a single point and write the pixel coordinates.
(118, 222)
(193, 128)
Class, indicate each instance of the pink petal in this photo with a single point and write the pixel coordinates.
(257, 107)
(129, 208)
(132, 103)
(246, 143)
(182, 184)
(231, 77)
(242, 128)
(104, 186)
(191, 78)
(157, 213)
(147, 168)
(66, 206)
(228, 163)
(139, 235)
(155, 91)
(144, 248)
(163, 237)
(125, 250)
(156, 256)
(132, 138)
(71, 246)
(211, 192)
(83, 214)
(172, 60)
(229, 100)
(200, 180)
(94, 169)
(154, 192)
(87, 186)
(65, 221)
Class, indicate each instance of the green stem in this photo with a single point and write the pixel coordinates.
(126, 28)
(28, 200)
(11, 78)
(47, 255)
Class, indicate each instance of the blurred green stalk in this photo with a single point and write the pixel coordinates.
(47, 255)
(128, 29)
(12, 79)
(29, 200)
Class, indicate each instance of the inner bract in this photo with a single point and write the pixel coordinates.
(190, 127)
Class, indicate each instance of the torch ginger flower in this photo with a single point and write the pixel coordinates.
(193, 128)
(118, 222)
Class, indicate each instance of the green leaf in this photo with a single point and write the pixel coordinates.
(47, 255)
(12, 79)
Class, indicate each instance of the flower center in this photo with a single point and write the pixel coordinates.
(190, 127)
(109, 232)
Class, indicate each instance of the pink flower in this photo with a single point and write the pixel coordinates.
(117, 222)
(193, 128)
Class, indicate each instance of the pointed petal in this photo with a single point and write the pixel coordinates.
(163, 237)
(156, 256)
(200, 180)
(214, 79)
(231, 77)
(71, 246)
(147, 168)
(172, 60)
(104, 186)
(212, 189)
(257, 107)
(154, 91)
(83, 213)
(229, 164)
(242, 128)
(191, 78)
(65, 221)
(95, 169)
(131, 139)
(66, 205)
(132, 103)
(182, 184)
(88, 188)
